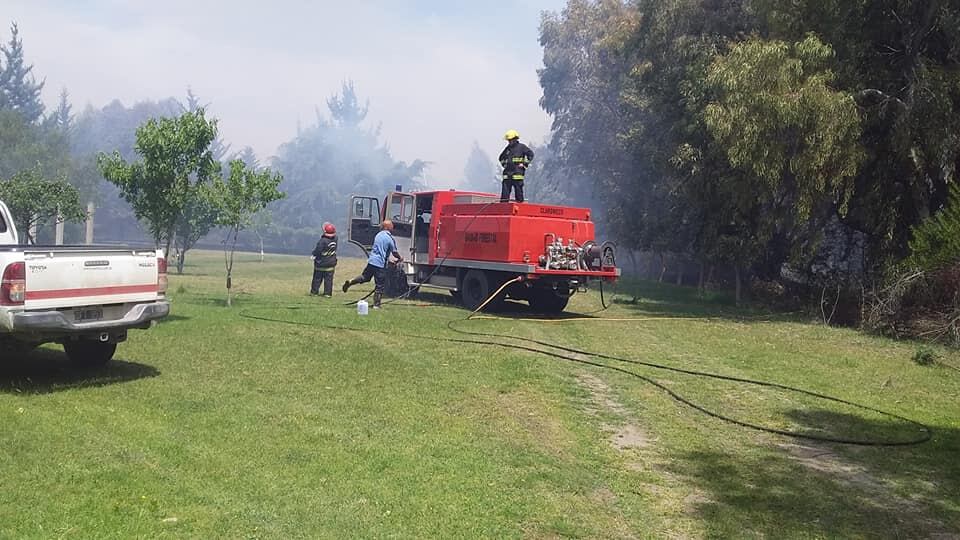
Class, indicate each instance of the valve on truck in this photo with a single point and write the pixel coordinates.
(570, 256)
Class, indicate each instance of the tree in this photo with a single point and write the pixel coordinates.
(480, 172)
(936, 241)
(24, 146)
(730, 132)
(114, 127)
(34, 200)
(327, 162)
(242, 195)
(261, 224)
(581, 81)
(627, 85)
(19, 90)
(175, 157)
(794, 137)
(345, 107)
(899, 60)
(248, 157)
(107, 129)
(546, 181)
(684, 190)
(218, 148)
(199, 215)
(62, 117)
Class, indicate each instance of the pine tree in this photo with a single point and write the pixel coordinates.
(19, 90)
(249, 158)
(480, 172)
(218, 148)
(62, 117)
(345, 108)
(193, 102)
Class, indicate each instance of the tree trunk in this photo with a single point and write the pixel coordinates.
(709, 276)
(166, 247)
(633, 260)
(663, 268)
(58, 229)
(736, 271)
(32, 230)
(88, 236)
(679, 272)
(260, 237)
(230, 247)
(181, 257)
(777, 252)
(700, 282)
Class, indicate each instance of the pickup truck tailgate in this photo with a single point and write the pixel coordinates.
(65, 278)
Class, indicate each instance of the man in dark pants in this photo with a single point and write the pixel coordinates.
(383, 247)
(325, 261)
(515, 159)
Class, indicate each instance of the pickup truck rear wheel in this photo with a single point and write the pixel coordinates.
(12, 348)
(89, 353)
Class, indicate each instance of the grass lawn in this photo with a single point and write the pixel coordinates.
(220, 424)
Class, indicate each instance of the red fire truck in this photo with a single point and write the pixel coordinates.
(470, 244)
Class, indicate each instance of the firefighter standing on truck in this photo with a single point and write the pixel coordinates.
(383, 247)
(515, 159)
(324, 261)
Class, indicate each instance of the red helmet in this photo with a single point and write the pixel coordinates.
(328, 228)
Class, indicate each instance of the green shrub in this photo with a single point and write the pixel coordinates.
(925, 356)
(936, 241)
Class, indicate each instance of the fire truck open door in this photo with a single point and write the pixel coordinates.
(400, 209)
(364, 218)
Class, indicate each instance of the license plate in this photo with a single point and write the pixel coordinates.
(87, 314)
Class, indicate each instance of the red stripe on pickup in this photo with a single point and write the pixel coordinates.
(90, 291)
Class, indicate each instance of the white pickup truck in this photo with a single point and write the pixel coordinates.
(83, 297)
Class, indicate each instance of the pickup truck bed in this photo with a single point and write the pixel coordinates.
(85, 297)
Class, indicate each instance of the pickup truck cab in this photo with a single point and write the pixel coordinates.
(83, 297)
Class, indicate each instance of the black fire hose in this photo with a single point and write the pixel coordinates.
(926, 433)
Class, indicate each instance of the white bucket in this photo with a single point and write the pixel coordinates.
(362, 307)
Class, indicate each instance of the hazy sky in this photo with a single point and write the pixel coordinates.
(438, 74)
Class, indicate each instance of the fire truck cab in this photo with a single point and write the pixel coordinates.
(470, 244)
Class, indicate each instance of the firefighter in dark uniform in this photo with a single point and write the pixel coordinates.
(515, 159)
(325, 261)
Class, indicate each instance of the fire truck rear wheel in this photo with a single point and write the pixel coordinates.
(547, 301)
(476, 287)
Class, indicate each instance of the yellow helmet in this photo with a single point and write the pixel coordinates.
(512, 134)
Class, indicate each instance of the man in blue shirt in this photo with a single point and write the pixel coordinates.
(383, 247)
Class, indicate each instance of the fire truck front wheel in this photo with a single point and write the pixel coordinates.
(476, 286)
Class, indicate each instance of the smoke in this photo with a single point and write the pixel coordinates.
(438, 75)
